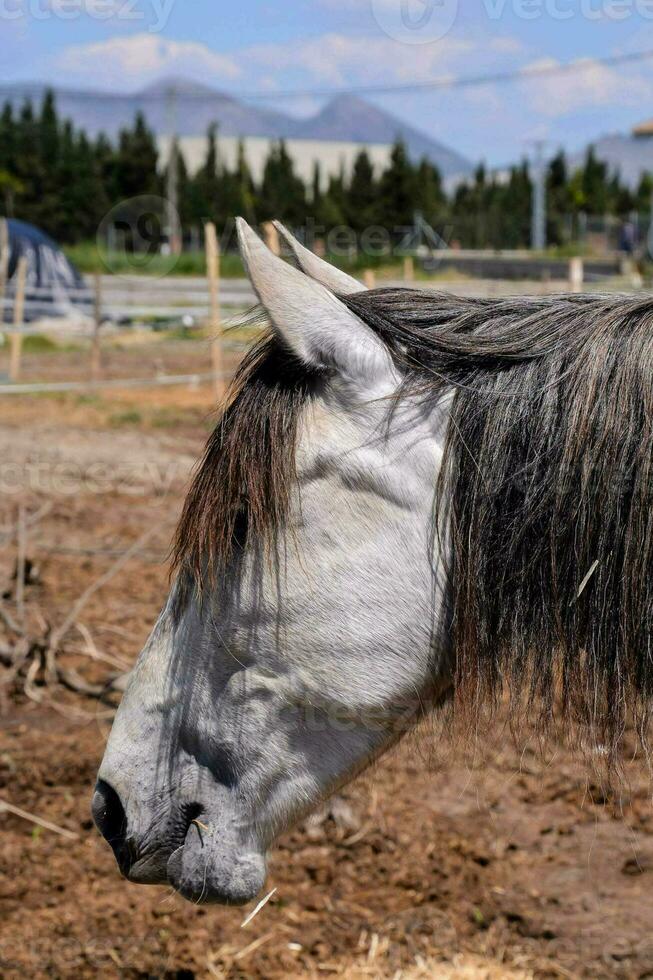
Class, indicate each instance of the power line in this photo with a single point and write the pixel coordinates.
(442, 83)
(456, 82)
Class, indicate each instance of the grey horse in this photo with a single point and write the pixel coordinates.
(325, 576)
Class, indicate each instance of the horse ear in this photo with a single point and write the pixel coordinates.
(318, 269)
(312, 322)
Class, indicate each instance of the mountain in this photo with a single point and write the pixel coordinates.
(630, 155)
(195, 109)
(352, 119)
(346, 118)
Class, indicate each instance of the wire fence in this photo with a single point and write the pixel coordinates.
(120, 302)
(110, 306)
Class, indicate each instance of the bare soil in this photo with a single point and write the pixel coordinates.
(502, 863)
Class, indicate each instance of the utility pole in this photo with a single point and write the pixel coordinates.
(538, 218)
(4, 263)
(174, 231)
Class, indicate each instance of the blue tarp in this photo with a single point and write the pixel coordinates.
(54, 286)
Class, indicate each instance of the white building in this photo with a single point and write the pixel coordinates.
(332, 155)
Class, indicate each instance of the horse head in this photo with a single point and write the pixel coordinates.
(299, 640)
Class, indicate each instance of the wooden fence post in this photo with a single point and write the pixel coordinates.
(213, 275)
(576, 275)
(409, 269)
(369, 278)
(96, 352)
(16, 349)
(272, 238)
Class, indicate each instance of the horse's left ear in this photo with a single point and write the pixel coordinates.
(313, 322)
(315, 267)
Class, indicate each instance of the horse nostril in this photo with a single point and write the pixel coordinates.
(110, 819)
(108, 812)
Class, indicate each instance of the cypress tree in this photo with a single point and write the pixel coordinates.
(90, 198)
(7, 140)
(28, 164)
(246, 191)
(361, 197)
(334, 203)
(206, 197)
(49, 149)
(283, 194)
(49, 130)
(136, 161)
(594, 183)
(397, 192)
(430, 198)
(64, 223)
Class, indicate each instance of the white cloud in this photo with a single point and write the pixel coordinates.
(339, 59)
(506, 45)
(128, 61)
(594, 86)
(332, 60)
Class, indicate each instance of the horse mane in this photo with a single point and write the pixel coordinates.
(241, 489)
(545, 493)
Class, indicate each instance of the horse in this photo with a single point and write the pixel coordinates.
(410, 500)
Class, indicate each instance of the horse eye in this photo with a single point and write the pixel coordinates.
(239, 532)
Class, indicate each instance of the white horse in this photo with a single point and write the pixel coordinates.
(319, 611)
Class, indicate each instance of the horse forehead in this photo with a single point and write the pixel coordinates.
(371, 426)
(391, 452)
(330, 423)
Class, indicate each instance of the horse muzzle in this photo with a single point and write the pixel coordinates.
(197, 848)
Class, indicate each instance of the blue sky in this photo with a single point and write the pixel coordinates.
(260, 45)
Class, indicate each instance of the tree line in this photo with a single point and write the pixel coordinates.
(53, 175)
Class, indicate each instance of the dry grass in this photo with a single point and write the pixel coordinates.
(464, 967)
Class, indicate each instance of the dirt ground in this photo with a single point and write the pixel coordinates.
(505, 863)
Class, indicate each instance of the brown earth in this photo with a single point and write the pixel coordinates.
(495, 864)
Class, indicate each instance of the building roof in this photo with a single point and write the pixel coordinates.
(644, 129)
